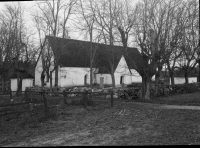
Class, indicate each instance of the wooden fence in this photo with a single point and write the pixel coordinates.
(85, 95)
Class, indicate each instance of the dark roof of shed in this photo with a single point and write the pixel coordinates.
(26, 76)
(75, 53)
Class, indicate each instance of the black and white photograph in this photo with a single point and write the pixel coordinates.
(99, 73)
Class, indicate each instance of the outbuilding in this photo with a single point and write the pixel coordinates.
(27, 81)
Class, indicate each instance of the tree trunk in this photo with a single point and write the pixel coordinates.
(157, 77)
(113, 77)
(91, 78)
(50, 81)
(19, 85)
(113, 80)
(42, 79)
(17, 93)
(186, 77)
(56, 77)
(91, 75)
(3, 82)
(199, 72)
(146, 87)
(172, 77)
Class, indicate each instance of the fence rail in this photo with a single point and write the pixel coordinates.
(85, 96)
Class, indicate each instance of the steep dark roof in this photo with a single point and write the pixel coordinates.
(75, 53)
(134, 59)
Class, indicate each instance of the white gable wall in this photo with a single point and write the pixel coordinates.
(39, 68)
(135, 76)
(121, 70)
(38, 71)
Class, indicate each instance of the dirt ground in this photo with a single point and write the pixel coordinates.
(127, 123)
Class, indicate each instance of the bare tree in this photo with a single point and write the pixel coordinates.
(190, 42)
(103, 12)
(85, 13)
(170, 36)
(15, 41)
(42, 30)
(55, 14)
(124, 19)
(149, 31)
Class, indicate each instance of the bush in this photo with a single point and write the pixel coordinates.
(191, 88)
(129, 93)
(166, 90)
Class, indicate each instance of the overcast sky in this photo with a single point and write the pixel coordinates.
(29, 8)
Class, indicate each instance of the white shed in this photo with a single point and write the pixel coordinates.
(26, 82)
(13, 84)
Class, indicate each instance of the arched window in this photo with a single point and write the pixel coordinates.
(121, 79)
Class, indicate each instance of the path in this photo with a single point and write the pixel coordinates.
(164, 106)
(180, 107)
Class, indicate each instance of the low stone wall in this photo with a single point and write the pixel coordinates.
(129, 92)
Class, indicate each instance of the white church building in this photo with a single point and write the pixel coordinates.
(74, 63)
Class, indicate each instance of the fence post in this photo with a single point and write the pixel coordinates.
(85, 99)
(112, 98)
(26, 96)
(30, 104)
(64, 97)
(10, 94)
(45, 102)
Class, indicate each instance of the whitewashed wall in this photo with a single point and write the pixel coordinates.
(13, 84)
(121, 70)
(26, 83)
(136, 76)
(107, 78)
(74, 76)
(66, 76)
(181, 80)
(38, 71)
(193, 80)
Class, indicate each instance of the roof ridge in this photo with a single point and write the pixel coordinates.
(92, 42)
